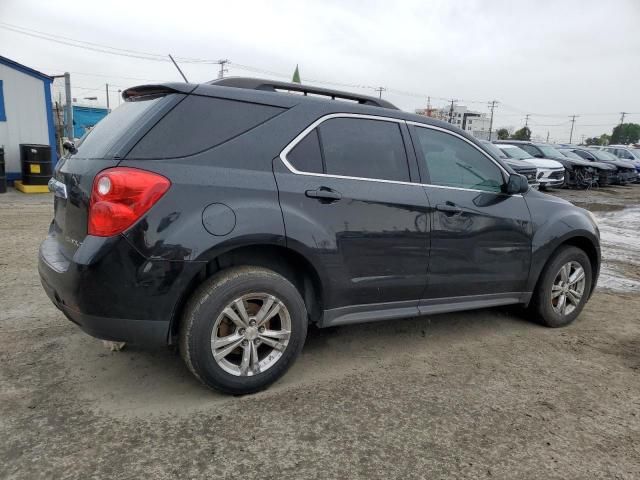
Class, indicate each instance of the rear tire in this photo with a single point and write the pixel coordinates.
(230, 337)
(563, 288)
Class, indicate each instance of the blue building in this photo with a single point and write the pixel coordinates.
(85, 118)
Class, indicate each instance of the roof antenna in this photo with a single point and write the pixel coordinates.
(174, 62)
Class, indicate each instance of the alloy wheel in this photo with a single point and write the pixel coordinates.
(251, 334)
(567, 289)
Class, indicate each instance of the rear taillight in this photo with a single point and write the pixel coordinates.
(120, 196)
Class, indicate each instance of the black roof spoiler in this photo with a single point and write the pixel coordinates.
(275, 86)
(157, 89)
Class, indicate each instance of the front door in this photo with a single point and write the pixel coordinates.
(480, 236)
(349, 204)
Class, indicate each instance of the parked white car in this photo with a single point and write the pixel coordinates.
(550, 172)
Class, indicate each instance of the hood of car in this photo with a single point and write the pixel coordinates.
(621, 163)
(573, 162)
(603, 165)
(543, 162)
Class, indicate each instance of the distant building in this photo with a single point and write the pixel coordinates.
(474, 123)
(26, 115)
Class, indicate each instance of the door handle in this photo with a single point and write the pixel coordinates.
(449, 208)
(324, 193)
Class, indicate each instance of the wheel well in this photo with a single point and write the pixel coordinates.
(587, 247)
(288, 263)
(583, 244)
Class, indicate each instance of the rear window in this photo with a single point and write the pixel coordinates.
(200, 123)
(114, 130)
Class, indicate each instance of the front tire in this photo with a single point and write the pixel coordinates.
(563, 288)
(242, 329)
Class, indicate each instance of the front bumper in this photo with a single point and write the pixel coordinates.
(550, 178)
(112, 292)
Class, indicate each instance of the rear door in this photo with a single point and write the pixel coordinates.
(480, 237)
(351, 201)
(99, 149)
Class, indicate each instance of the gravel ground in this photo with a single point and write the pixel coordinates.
(480, 394)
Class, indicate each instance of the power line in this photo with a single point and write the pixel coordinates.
(137, 54)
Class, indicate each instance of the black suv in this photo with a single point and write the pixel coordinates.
(226, 217)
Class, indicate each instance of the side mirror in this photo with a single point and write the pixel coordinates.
(69, 146)
(517, 184)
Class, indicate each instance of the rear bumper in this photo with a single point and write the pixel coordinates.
(112, 292)
(141, 332)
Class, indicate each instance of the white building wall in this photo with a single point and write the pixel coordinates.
(25, 108)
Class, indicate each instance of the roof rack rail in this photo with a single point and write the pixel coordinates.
(276, 86)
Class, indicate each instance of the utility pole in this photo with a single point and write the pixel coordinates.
(380, 90)
(526, 120)
(451, 110)
(493, 105)
(67, 92)
(573, 122)
(622, 117)
(222, 64)
(547, 136)
(107, 90)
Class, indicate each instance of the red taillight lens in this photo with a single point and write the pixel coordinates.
(120, 196)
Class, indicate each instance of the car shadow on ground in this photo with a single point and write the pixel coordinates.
(138, 382)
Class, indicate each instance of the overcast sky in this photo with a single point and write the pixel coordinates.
(554, 58)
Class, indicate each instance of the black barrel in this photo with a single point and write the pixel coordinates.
(35, 160)
(3, 173)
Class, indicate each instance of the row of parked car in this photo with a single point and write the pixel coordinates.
(567, 165)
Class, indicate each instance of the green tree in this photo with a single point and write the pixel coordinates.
(604, 139)
(502, 133)
(523, 134)
(626, 133)
(592, 141)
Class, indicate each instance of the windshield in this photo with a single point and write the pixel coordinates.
(602, 155)
(549, 152)
(493, 149)
(570, 154)
(636, 153)
(515, 152)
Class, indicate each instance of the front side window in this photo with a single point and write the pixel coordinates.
(357, 147)
(453, 162)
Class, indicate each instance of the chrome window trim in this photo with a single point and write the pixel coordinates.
(298, 138)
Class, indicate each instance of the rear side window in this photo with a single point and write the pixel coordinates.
(200, 123)
(364, 148)
(113, 131)
(306, 155)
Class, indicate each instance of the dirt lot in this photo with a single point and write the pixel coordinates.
(473, 395)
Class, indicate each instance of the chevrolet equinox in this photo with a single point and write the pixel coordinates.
(226, 217)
